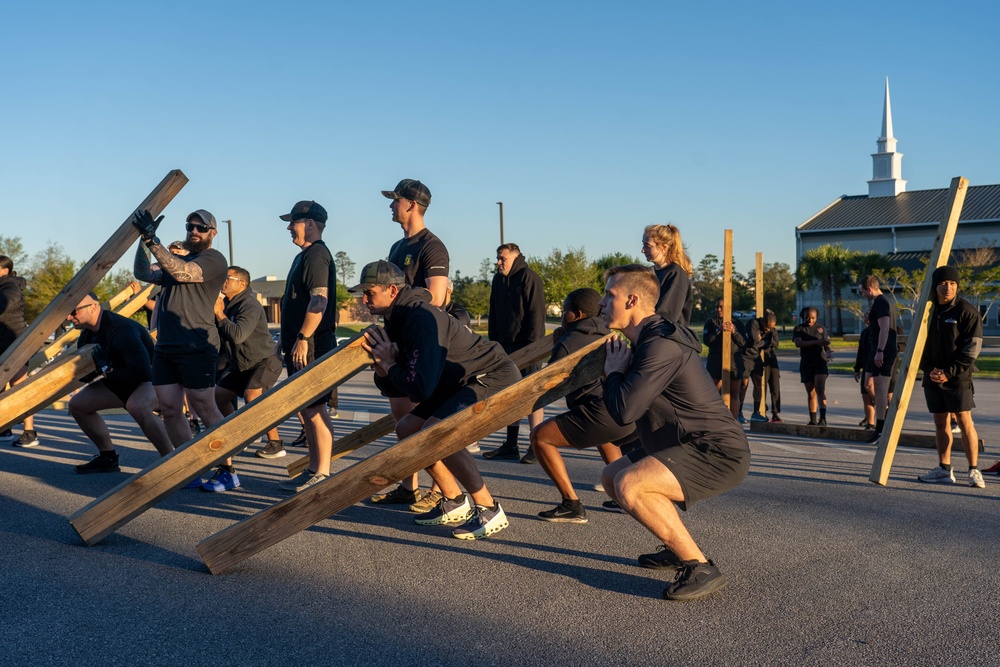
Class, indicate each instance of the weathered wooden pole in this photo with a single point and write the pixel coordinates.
(57, 379)
(766, 374)
(727, 314)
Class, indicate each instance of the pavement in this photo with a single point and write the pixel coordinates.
(824, 566)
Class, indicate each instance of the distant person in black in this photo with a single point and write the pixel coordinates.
(864, 380)
(692, 447)
(187, 341)
(881, 347)
(712, 336)
(954, 341)
(123, 358)
(813, 342)
(12, 323)
(424, 261)
(587, 423)
(661, 245)
(517, 319)
(762, 340)
(444, 368)
(308, 329)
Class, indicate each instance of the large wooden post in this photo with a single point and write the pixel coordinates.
(268, 527)
(918, 335)
(540, 349)
(33, 338)
(57, 379)
(727, 314)
(766, 375)
(163, 477)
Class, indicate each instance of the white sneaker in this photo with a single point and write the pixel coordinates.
(976, 479)
(938, 475)
(473, 448)
(483, 523)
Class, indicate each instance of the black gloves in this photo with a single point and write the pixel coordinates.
(144, 222)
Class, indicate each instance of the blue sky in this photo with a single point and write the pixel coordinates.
(588, 120)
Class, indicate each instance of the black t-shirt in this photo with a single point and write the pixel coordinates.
(881, 307)
(312, 268)
(187, 310)
(676, 297)
(127, 346)
(807, 334)
(420, 257)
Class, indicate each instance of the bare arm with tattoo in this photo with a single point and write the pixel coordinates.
(179, 269)
(141, 268)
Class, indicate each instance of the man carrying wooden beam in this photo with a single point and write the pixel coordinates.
(441, 365)
(692, 446)
(308, 329)
(954, 340)
(125, 353)
(187, 341)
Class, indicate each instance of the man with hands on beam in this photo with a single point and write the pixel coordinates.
(692, 446)
(433, 359)
(187, 343)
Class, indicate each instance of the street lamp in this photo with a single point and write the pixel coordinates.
(500, 204)
(230, 223)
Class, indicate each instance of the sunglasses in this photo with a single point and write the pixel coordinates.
(191, 226)
(73, 312)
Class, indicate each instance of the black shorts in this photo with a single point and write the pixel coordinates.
(702, 472)
(191, 370)
(808, 370)
(947, 399)
(122, 390)
(262, 376)
(589, 424)
(448, 401)
(888, 364)
(320, 344)
(737, 370)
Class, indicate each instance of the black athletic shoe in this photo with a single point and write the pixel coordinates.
(502, 453)
(529, 457)
(564, 513)
(26, 439)
(612, 506)
(300, 439)
(98, 464)
(695, 580)
(822, 421)
(874, 438)
(662, 559)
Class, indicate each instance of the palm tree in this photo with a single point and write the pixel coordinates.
(828, 266)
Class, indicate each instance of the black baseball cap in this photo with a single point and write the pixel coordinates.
(410, 189)
(203, 215)
(379, 273)
(306, 210)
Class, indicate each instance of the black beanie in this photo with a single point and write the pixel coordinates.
(943, 273)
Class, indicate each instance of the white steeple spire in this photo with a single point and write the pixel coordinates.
(887, 167)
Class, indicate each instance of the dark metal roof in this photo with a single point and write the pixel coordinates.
(270, 289)
(982, 204)
(911, 261)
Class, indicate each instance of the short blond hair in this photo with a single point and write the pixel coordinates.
(636, 279)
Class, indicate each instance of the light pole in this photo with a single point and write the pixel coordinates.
(500, 204)
(230, 224)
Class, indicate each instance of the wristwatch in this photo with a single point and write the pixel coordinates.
(153, 241)
(302, 336)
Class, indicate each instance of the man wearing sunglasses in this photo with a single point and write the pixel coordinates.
(123, 358)
(187, 343)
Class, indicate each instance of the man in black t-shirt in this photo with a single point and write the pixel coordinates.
(308, 329)
(187, 343)
(123, 356)
(881, 347)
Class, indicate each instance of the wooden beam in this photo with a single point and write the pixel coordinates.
(57, 379)
(226, 549)
(762, 408)
(530, 354)
(918, 335)
(727, 313)
(33, 338)
(120, 303)
(140, 492)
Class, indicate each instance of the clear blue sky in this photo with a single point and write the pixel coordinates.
(588, 120)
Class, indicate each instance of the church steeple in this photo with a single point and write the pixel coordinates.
(887, 167)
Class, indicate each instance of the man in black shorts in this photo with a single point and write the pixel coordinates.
(308, 329)
(187, 341)
(881, 347)
(251, 365)
(124, 360)
(443, 368)
(692, 447)
(517, 319)
(424, 261)
(954, 340)
(587, 422)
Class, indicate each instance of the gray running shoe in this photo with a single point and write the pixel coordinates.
(447, 511)
(482, 523)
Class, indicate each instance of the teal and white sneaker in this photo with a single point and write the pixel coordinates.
(482, 523)
(447, 511)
